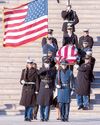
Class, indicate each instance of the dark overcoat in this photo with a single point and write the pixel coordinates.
(70, 16)
(73, 39)
(28, 97)
(92, 62)
(45, 95)
(83, 79)
(87, 38)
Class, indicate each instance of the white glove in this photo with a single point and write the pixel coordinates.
(72, 92)
(36, 92)
(22, 82)
(58, 86)
(76, 66)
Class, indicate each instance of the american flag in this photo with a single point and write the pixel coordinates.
(25, 23)
(68, 53)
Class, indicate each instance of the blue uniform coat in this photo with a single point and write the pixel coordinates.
(66, 77)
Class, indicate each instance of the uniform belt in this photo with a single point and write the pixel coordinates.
(68, 21)
(30, 83)
(65, 85)
(47, 81)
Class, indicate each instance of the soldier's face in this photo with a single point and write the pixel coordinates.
(86, 33)
(69, 30)
(87, 61)
(50, 41)
(69, 8)
(29, 65)
(63, 66)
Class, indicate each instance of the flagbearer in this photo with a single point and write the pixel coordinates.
(29, 80)
(66, 79)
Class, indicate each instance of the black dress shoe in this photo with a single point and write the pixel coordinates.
(85, 108)
(42, 120)
(46, 120)
(80, 107)
(29, 120)
(35, 117)
(26, 119)
(63, 120)
(66, 120)
(58, 119)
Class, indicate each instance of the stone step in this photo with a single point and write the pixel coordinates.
(21, 112)
(97, 74)
(9, 97)
(19, 55)
(96, 85)
(20, 59)
(83, 11)
(4, 91)
(15, 106)
(83, 20)
(93, 102)
(16, 96)
(96, 90)
(13, 81)
(78, 2)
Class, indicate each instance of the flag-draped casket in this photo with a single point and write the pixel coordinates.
(68, 52)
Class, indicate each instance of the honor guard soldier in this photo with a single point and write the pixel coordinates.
(45, 96)
(30, 81)
(86, 37)
(70, 18)
(50, 34)
(65, 83)
(71, 37)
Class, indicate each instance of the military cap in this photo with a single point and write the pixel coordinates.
(85, 30)
(63, 62)
(87, 57)
(30, 60)
(50, 31)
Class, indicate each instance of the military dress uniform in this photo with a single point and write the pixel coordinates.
(30, 81)
(45, 96)
(69, 18)
(64, 91)
(73, 39)
(87, 38)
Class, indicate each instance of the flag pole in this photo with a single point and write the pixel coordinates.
(69, 2)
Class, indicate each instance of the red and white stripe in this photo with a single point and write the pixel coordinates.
(17, 32)
(68, 52)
